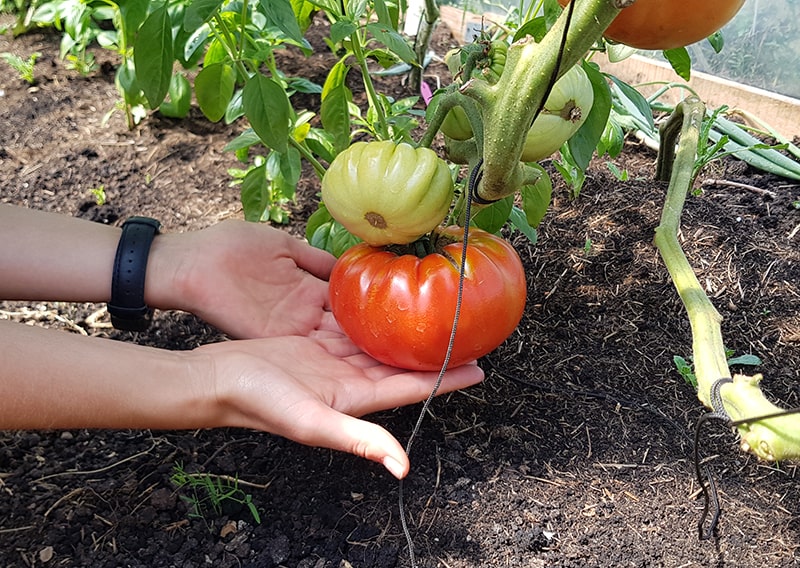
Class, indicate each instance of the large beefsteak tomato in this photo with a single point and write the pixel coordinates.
(668, 24)
(399, 308)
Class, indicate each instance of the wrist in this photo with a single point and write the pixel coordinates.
(164, 288)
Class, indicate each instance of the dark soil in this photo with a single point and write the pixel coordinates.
(575, 452)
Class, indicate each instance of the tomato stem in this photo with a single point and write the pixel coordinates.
(509, 106)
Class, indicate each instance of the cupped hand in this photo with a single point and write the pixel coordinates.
(313, 389)
(247, 279)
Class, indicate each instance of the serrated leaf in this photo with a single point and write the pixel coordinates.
(267, 108)
(213, 88)
(153, 56)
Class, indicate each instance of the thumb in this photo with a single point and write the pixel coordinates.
(337, 431)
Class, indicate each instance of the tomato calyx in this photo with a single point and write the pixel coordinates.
(433, 243)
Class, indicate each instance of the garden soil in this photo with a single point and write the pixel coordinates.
(576, 451)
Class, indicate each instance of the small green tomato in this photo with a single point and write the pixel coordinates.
(563, 114)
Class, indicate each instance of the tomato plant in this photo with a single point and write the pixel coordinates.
(669, 24)
(399, 308)
(387, 193)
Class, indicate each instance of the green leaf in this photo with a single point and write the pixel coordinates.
(394, 41)
(536, 198)
(583, 143)
(268, 109)
(281, 15)
(235, 109)
(680, 60)
(324, 232)
(213, 88)
(334, 110)
(255, 193)
(355, 8)
(199, 12)
(180, 98)
(244, 140)
(132, 13)
(612, 140)
(633, 102)
(520, 222)
(751, 360)
(717, 41)
(536, 27)
(195, 43)
(492, 218)
(153, 56)
(384, 15)
(342, 29)
(303, 11)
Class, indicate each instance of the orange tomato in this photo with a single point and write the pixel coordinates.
(667, 24)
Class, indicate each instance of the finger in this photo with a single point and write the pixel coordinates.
(404, 388)
(328, 322)
(311, 259)
(328, 428)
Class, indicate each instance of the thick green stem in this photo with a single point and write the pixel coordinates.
(772, 439)
(509, 106)
(423, 40)
(372, 95)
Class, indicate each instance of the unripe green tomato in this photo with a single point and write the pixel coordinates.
(563, 114)
(388, 193)
(456, 124)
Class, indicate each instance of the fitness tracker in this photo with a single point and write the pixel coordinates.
(127, 306)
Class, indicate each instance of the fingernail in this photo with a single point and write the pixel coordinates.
(394, 467)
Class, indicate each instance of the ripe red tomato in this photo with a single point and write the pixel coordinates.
(399, 308)
(667, 24)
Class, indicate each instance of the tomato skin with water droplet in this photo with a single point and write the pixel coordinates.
(668, 24)
(399, 308)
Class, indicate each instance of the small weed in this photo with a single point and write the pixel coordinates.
(24, 67)
(99, 194)
(210, 493)
(587, 246)
(684, 367)
(621, 175)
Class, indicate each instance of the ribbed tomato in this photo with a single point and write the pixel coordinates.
(399, 308)
(667, 24)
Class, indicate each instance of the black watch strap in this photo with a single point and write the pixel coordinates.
(127, 307)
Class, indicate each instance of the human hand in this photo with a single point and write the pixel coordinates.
(247, 279)
(311, 390)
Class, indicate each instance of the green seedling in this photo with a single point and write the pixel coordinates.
(99, 194)
(209, 493)
(24, 67)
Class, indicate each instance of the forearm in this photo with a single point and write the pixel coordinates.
(53, 379)
(54, 257)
